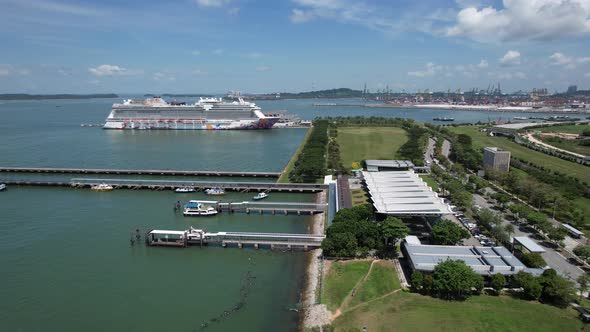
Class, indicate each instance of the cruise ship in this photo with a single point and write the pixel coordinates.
(206, 113)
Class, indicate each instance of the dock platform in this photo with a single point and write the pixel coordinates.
(137, 172)
(200, 237)
(134, 184)
(269, 207)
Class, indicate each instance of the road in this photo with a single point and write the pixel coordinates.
(429, 151)
(553, 258)
(538, 142)
(446, 149)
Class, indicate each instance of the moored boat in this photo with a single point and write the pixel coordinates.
(443, 119)
(260, 196)
(102, 187)
(2, 186)
(184, 190)
(215, 191)
(196, 209)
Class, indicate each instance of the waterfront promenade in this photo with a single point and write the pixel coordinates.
(136, 172)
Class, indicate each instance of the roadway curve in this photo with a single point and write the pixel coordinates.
(532, 138)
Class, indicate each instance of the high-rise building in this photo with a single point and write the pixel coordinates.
(496, 158)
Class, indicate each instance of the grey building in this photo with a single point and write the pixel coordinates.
(496, 158)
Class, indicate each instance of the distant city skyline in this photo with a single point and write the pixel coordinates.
(213, 46)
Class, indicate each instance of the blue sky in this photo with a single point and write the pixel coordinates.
(212, 46)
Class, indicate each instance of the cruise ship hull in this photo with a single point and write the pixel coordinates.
(179, 124)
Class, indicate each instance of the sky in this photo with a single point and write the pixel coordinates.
(214, 46)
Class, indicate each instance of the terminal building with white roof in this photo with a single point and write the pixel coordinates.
(403, 193)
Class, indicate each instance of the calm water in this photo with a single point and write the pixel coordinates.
(67, 264)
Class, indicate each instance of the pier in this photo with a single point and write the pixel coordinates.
(134, 184)
(137, 172)
(269, 207)
(192, 236)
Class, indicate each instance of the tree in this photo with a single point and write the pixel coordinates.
(533, 260)
(509, 229)
(428, 283)
(393, 229)
(531, 287)
(557, 234)
(583, 283)
(498, 281)
(536, 219)
(454, 280)
(582, 251)
(556, 289)
(417, 280)
(340, 245)
(447, 232)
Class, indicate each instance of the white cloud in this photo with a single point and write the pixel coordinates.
(164, 76)
(218, 51)
(300, 16)
(508, 76)
(524, 20)
(212, 3)
(483, 64)
(112, 70)
(196, 52)
(233, 11)
(253, 55)
(587, 75)
(198, 72)
(430, 70)
(510, 58)
(5, 70)
(263, 68)
(58, 7)
(520, 75)
(560, 59)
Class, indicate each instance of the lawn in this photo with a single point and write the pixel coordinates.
(413, 312)
(361, 143)
(341, 279)
(481, 140)
(570, 129)
(566, 144)
(381, 280)
(430, 181)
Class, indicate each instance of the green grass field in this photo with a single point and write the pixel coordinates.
(569, 145)
(381, 280)
(481, 140)
(570, 129)
(430, 181)
(357, 144)
(413, 312)
(340, 281)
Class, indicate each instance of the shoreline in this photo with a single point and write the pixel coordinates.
(314, 314)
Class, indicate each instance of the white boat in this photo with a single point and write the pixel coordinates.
(185, 190)
(215, 191)
(102, 187)
(260, 196)
(2, 186)
(196, 209)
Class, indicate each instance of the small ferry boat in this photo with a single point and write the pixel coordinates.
(520, 118)
(196, 209)
(184, 190)
(102, 187)
(215, 191)
(260, 196)
(2, 186)
(443, 119)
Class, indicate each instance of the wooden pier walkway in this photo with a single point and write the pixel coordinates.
(270, 207)
(171, 185)
(137, 172)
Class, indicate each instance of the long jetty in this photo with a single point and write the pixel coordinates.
(134, 184)
(262, 207)
(200, 237)
(137, 172)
